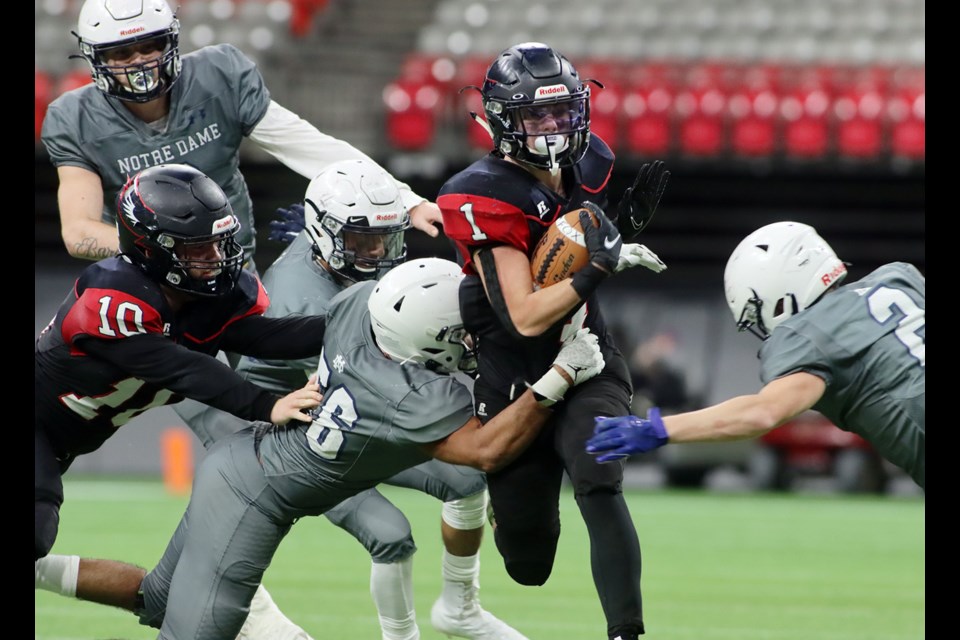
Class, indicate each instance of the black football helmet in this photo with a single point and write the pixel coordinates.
(165, 210)
(533, 75)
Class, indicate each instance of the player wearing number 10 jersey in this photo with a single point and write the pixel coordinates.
(142, 330)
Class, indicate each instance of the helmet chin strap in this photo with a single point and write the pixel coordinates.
(551, 145)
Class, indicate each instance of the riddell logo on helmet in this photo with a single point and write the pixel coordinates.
(552, 90)
(130, 32)
(828, 278)
(387, 216)
(222, 224)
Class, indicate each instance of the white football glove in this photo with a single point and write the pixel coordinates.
(580, 358)
(633, 255)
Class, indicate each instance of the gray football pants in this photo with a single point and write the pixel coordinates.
(202, 587)
(369, 517)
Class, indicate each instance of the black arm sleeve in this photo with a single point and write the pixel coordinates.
(160, 361)
(484, 259)
(288, 338)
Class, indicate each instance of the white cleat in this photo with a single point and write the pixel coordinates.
(266, 622)
(471, 620)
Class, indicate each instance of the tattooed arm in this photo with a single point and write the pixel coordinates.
(80, 198)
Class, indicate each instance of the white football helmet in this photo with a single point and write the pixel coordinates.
(106, 25)
(415, 313)
(776, 272)
(355, 218)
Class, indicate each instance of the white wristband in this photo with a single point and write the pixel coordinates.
(549, 389)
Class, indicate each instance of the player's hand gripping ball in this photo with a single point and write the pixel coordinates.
(562, 250)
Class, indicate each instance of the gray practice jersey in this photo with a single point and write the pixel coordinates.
(867, 341)
(374, 415)
(218, 99)
(297, 285)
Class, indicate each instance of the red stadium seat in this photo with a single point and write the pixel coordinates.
(411, 114)
(752, 111)
(647, 106)
(804, 110)
(699, 108)
(858, 107)
(906, 116)
(438, 72)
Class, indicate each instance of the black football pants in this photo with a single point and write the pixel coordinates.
(525, 499)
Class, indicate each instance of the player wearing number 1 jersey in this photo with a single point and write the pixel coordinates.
(855, 352)
(545, 162)
(143, 329)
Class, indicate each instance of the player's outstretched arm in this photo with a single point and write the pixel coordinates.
(738, 418)
(490, 446)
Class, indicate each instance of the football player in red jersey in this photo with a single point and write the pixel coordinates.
(546, 162)
(142, 330)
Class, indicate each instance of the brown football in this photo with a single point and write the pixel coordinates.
(561, 251)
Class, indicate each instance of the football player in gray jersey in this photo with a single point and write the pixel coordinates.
(390, 403)
(149, 105)
(355, 222)
(856, 353)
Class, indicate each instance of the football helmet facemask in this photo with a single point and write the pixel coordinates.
(776, 272)
(355, 219)
(415, 315)
(177, 225)
(526, 84)
(111, 32)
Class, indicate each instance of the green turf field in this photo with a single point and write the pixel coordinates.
(716, 566)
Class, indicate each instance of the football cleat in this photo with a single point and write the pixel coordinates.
(471, 620)
(266, 622)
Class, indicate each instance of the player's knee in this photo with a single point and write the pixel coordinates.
(529, 573)
(604, 483)
(466, 513)
(527, 555)
(387, 551)
(46, 525)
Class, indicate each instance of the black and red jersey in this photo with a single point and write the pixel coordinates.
(116, 348)
(495, 202)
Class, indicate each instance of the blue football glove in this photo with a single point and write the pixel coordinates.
(616, 438)
(287, 224)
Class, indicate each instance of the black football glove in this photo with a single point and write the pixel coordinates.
(602, 242)
(640, 201)
(287, 224)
